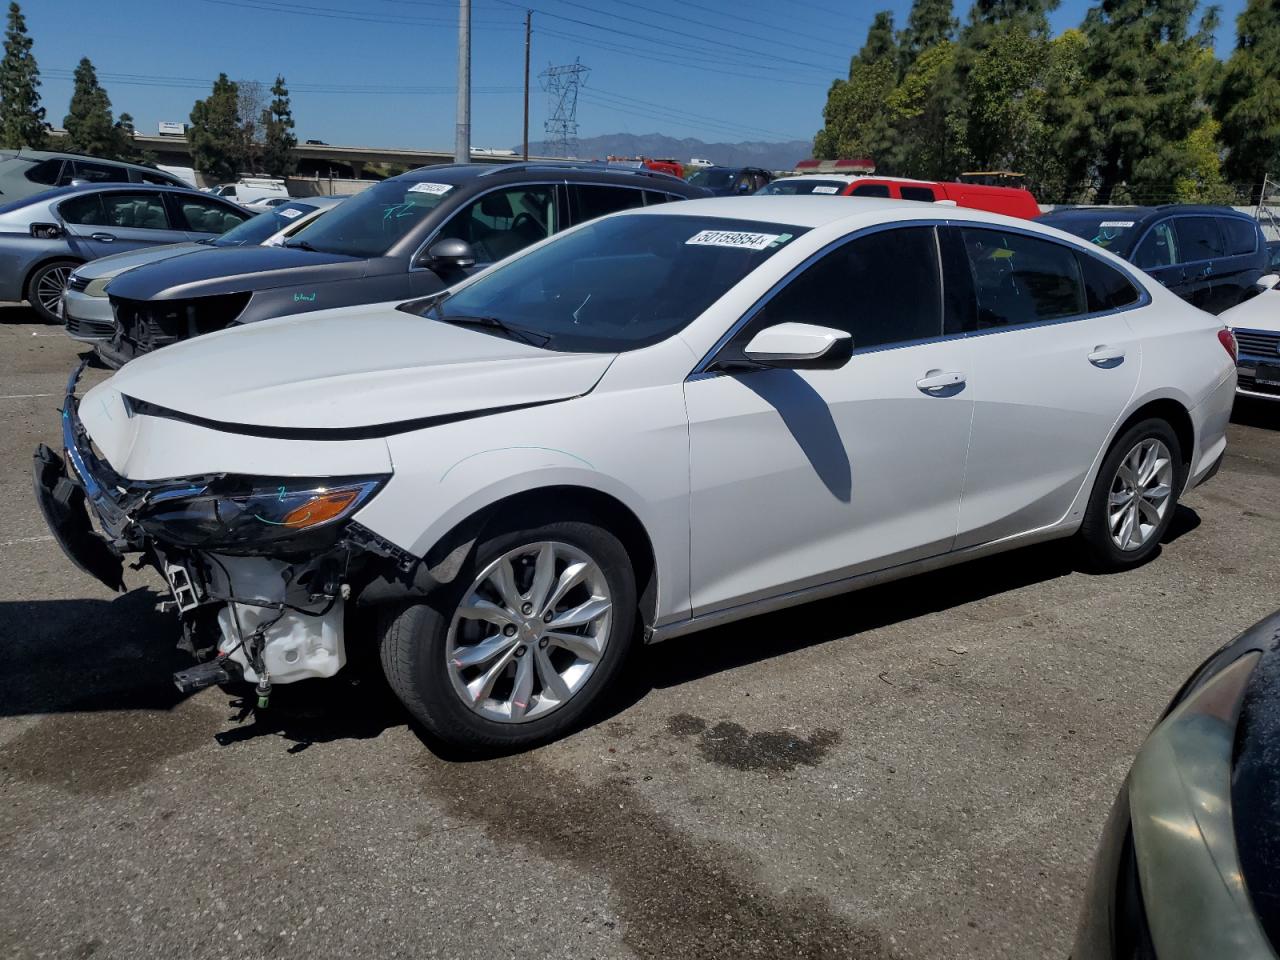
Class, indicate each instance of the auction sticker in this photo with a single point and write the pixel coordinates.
(733, 238)
(290, 213)
(825, 189)
(433, 188)
(1116, 223)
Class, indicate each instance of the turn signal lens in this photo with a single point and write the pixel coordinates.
(320, 510)
(1228, 341)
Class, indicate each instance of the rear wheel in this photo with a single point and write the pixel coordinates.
(1134, 497)
(45, 286)
(526, 640)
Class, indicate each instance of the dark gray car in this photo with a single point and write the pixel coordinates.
(387, 243)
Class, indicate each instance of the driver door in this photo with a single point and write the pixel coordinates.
(801, 477)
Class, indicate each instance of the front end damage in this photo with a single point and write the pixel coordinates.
(260, 570)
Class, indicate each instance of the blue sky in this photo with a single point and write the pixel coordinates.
(382, 72)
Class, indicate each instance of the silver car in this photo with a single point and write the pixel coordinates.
(24, 173)
(44, 237)
(86, 310)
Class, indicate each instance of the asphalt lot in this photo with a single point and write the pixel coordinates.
(917, 770)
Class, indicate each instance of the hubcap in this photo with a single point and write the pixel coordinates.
(1140, 494)
(50, 286)
(529, 632)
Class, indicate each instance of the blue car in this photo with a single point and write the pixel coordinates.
(46, 236)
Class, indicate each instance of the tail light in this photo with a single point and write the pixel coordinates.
(1228, 341)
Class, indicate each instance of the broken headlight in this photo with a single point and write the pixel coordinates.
(248, 514)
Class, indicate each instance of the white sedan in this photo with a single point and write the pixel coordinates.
(1256, 326)
(662, 420)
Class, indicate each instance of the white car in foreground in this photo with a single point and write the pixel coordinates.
(1256, 326)
(665, 419)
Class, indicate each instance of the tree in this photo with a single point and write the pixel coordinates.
(22, 122)
(1006, 99)
(1128, 129)
(89, 125)
(929, 23)
(1203, 182)
(251, 100)
(216, 136)
(928, 130)
(855, 121)
(278, 138)
(1248, 96)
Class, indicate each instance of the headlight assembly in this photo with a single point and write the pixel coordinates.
(248, 514)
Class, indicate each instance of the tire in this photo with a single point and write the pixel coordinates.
(41, 283)
(1108, 517)
(427, 648)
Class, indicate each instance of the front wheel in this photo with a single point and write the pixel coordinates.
(45, 287)
(527, 638)
(1134, 497)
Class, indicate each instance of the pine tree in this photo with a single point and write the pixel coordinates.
(278, 138)
(1128, 130)
(856, 124)
(215, 134)
(929, 23)
(1248, 100)
(90, 128)
(22, 122)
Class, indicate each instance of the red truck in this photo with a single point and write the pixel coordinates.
(1011, 201)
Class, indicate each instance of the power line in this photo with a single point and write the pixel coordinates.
(199, 83)
(683, 116)
(338, 13)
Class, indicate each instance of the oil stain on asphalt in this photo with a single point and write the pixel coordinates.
(677, 897)
(732, 745)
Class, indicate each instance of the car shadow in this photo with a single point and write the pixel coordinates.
(15, 313)
(1252, 412)
(97, 655)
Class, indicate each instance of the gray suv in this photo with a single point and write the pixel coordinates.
(406, 237)
(27, 172)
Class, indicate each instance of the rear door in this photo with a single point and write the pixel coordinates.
(1241, 265)
(1200, 253)
(1053, 363)
(1157, 254)
(109, 221)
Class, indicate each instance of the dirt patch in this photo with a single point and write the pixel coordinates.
(676, 896)
(732, 745)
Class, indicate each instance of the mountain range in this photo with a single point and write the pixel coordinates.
(756, 153)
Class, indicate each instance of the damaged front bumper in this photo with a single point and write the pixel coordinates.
(270, 615)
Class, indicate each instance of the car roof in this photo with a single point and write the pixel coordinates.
(37, 155)
(460, 173)
(1145, 213)
(817, 211)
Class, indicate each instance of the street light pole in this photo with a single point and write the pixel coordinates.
(462, 144)
(528, 29)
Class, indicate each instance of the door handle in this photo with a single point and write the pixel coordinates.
(1207, 271)
(104, 237)
(1106, 357)
(936, 381)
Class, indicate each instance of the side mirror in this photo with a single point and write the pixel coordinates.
(800, 346)
(1269, 281)
(451, 254)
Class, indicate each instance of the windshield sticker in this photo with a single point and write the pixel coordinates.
(825, 189)
(735, 238)
(290, 213)
(1124, 224)
(438, 189)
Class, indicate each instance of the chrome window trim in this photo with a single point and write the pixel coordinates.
(701, 368)
(413, 260)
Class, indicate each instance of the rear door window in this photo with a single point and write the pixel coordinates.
(1019, 279)
(652, 197)
(137, 211)
(924, 194)
(594, 200)
(870, 190)
(1199, 238)
(1106, 288)
(99, 172)
(883, 288)
(1241, 235)
(1159, 248)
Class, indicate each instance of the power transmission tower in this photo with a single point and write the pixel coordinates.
(562, 84)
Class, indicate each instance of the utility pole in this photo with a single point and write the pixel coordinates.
(528, 30)
(462, 145)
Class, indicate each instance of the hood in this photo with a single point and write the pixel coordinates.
(1257, 313)
(218, 270)
(104, 268)
(371, 370)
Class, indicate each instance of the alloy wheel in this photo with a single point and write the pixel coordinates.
(49, 287)
(529, 632)
(1141, 492)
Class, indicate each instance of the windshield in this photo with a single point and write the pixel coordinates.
(257, 229)
(1109, 229)
(794, 188)
(712, 179)
(617, 284)
(375, 220)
